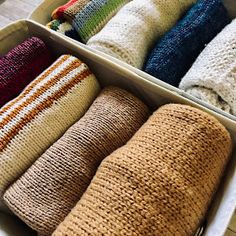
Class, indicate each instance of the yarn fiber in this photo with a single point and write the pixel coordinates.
(48, 106)
(20, 66)
(174, 54)
(212, 76)
(131, 33)
(57, 180)
(160, 183)
(64, 28)
(88, 17)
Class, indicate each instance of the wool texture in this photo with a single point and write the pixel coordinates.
(20, 66)
(88, 17)
(131, 33)
(212, 76)
(52, 186)
(160, 183)
(47, 107)
(58, 13)
(174, 54)
(64, 28)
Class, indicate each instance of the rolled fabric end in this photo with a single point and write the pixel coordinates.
(40, 115)
(162, 181)
(88, 17)
(64, 28)
(131, 33)
(51, 187)
(212, 77)
(58, 13)
(174, 54)
(21, 65)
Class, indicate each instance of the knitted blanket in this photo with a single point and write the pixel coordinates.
(88, 17)
(160, 183)
(131, 33)
(174, 54)
(57, 180)
(212, 76)
(20, 66)
(48, 106)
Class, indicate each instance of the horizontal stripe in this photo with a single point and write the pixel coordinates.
(44, 130)
(58, 13)
(95, 15)
(70, 13)
(52, 88)
(52, 76)
(46, 104)
(33, 84)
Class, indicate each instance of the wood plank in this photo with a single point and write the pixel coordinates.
(4, 21)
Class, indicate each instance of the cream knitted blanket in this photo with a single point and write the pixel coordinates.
(131, 33)
(212, 76)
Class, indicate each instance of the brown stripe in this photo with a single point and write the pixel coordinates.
(45, 87)
(34, 83)
(71, 12)
(46, 104)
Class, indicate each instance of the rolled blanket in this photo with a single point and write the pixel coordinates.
(48, 106)
(58, 13)
(56, 181)
(88, 17)
(212, 76)
(20, 66)
(160, 183)
(130, 34)
(174, 54)
(63, 27)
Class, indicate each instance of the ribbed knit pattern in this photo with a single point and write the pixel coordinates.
(51, 187)
(160, 183)
(174, 54)
(58, 13)
(48, 106)
(88, 17)
(131, 33)
(20, 66)
(212, 76)
(63, 27)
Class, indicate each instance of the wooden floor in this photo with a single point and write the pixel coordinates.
(11, 10)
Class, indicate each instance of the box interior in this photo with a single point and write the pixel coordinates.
(109, 73)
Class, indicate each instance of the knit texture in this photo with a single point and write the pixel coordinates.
(63, 27)
(160, 183)
(88, 17)
(48, 106)
(20, 66)
(58, 13)
(174, 54)
(51, 187)
(131, 33)
(212, 76)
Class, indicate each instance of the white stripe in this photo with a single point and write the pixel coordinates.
(39, 85)
(42, 98)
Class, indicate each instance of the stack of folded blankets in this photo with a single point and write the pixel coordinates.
(163, 38)
(77, 159)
